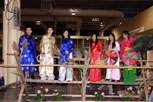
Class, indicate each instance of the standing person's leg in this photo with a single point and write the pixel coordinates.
(110, 89)
(69, 74)
(69, 71)
(101, 87)
(31, 74)
(24, 73)
(50, 70)
(42, 70)
(62, 72)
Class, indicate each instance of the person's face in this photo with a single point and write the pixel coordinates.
(50, 31)
(94, 37)
(111, 38)
(125, 36)
(28, 31)
(65, 34)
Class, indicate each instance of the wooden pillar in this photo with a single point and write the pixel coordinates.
(10, 34)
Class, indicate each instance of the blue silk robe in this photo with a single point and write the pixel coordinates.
(29, 54)
(67, 45)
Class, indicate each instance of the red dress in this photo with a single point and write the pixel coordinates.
(95, 73)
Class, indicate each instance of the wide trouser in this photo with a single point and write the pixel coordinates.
(66, 72)
(46, 71)
(2, 81)
(29, 74)
(113, 73)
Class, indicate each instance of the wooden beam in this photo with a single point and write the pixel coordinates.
(10, 85)
(75, 95)
(78, 82)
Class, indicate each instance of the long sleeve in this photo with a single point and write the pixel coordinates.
(117, 47)
(53, 43)
(41, 46)
(122, 49)
(62, 50)
(71, 45)
(99, 47)
(90, 49)
(34, 48)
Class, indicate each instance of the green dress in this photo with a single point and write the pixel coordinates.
(129, 75)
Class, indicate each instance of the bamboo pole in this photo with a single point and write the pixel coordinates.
(79, 82)
(19, 69)
(83, 59)
(84, 80)
(21, 93)
(74, 66)
(75, 59)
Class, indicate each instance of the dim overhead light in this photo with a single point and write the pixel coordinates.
(73, 13)
(38, 22)
(120, 23)
(101, 23)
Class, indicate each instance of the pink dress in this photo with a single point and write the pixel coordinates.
(113, 74)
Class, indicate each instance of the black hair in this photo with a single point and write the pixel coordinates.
(63, 33)
(126, 33)
(115, 59)
(1, 61)
(91, 41)
(52, 29)
(27, 28)
(113, 44)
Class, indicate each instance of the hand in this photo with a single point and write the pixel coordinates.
(42, 54)
(66, 52)
(99, 58)
(0, 78)
(21, 56)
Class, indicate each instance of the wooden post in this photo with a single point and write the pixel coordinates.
(84, 79)
(145, 83)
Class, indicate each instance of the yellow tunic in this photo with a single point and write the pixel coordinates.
(46, 47)
(47, 44)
